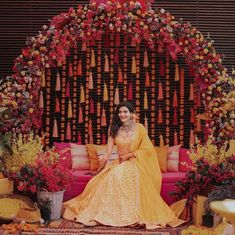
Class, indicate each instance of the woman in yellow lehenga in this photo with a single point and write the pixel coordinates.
(127, 191)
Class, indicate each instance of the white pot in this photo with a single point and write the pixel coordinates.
(56, 202)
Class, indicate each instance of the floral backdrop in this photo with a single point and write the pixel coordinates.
(156, 29)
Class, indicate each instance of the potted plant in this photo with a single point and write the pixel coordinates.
(48, 177)
(219, 194)
(214, 166)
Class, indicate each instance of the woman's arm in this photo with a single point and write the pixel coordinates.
(109, 148)
(126, 157)
(105, 158)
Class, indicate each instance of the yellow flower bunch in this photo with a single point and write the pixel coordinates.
(197, 230)
(200, 230)
(25, 151)
(209, 151)
(5, 101)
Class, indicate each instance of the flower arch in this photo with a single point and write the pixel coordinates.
(157, 28)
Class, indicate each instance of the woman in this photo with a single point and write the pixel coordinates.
(127, 191)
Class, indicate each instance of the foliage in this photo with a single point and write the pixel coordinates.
(210, 151)
(24, 151)
(48, 173)
(213, 166)
(204, 179)
(5, 150)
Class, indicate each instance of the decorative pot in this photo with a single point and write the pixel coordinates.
(6, 186)
(56, 199)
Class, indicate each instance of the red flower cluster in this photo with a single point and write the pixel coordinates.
(48, 173)
(204, 179)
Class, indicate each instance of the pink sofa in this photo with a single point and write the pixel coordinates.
(83, 175)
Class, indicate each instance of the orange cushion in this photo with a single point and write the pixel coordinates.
(92, 150)
(95, 151)
(162, 157)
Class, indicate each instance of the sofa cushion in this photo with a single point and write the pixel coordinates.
(185, 163)
(80, 157)
(173, 158)
(172, 177)
(93, 155)
(61, 146)
(162, 157)
(95, 151)
(65, 155)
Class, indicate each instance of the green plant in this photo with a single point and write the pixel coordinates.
(5, 139)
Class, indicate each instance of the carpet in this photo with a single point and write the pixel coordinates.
(65, 227)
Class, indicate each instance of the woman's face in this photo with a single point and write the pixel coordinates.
(124, 114)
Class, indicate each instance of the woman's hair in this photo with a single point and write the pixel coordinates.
(116, 122)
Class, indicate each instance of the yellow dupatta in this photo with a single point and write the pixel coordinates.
(153, 210)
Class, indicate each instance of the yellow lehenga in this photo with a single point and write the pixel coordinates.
(126, 194)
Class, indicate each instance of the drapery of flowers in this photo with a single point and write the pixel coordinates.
(142, 23)
(213, 166)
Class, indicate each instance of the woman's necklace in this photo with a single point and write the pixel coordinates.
(127, 130)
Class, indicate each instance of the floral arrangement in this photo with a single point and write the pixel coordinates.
(213, 166)
(142, 23)
(47, 173)
(24, 151)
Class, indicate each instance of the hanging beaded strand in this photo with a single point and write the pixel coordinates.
(111, 108)
(48, 102)
(75, 92)
(98, 114)
(125, 68)
(88, 67)
(63, 91)
(153, 96)
(182, 106)
(167, 99)
(137, 83)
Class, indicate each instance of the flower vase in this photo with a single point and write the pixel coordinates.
(56, 199)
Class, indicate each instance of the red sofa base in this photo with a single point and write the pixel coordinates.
(83, 176)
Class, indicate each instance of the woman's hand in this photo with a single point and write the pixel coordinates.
(102, 162)
(125, 157)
